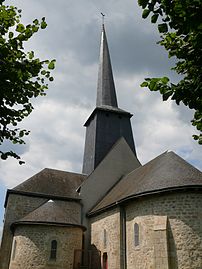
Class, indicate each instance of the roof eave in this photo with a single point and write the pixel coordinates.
(107, 110)
(44, 223)
(36, 194)
(143, 194)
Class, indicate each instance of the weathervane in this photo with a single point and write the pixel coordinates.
(103, 18)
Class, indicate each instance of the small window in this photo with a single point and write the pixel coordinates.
(105, 238)
(136, 235)
(105, 260)
(14, 250)
(53, 252)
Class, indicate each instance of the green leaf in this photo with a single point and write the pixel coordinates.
(28, 32)
(143, 3)
(144, 84)
(165, 80)
(3, 156)
(195, 137)
(20, 28)
(43, 25)
(163, 28)
(154, 18)
(35, 29)
(145, 13)
(51, 65)
(36, 22)
(10, 35)
(152, 85)
(148, 79)
(167, 94)
(31, 55)
(21, 133)
(43, 72)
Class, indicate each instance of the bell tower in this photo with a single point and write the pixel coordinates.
(107, 123)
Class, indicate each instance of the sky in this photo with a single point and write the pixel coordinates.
(73, 39)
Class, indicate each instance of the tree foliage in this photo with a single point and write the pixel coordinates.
(22, 75)
(180, 26)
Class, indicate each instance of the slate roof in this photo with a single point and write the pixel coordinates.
(107, 109)
(53, 182)
(106, 94)
(167, 171)
(50, 212)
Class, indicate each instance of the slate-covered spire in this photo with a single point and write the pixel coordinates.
(106, 94)
(107, 123)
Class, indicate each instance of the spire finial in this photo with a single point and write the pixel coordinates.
(106, 93)
(103, 18)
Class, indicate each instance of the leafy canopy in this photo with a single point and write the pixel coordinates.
(22, 75)
(180, 27)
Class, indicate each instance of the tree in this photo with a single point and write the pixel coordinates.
(180, 27)
(22, 75)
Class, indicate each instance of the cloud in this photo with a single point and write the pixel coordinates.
(158, 126)
(55, 141)
(72, 37)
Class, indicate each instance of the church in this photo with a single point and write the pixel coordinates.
(117, 213)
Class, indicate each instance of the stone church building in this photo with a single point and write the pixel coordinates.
(116, 214)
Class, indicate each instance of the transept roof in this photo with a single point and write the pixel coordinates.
(168, 171)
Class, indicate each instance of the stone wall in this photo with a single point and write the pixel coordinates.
(184, 231)
(18, 206)
(33, 245)
(105, 236)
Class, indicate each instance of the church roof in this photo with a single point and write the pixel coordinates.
(52, 182)
(50, 213)
(106, 94)
(108, 109)
(119, 161)
(166, 172)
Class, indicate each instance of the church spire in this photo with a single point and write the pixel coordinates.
(106, 94)
(107, 123)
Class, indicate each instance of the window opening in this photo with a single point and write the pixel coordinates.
(136, 235)
(105, 238)
(105, 261)
(14, 250)
(53, 252)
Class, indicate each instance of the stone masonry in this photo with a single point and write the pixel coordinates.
(110, 222)
(18, 206)
(33, 244)
(184, 231)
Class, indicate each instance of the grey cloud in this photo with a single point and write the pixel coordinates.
(17, 148)
(72, 37)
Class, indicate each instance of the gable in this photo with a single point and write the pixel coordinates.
(167, 171)
(117, 163)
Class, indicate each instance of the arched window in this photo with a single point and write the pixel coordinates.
(105, 238)
(105, 261)
(14, 250)
(53, 252)
(136, 235)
